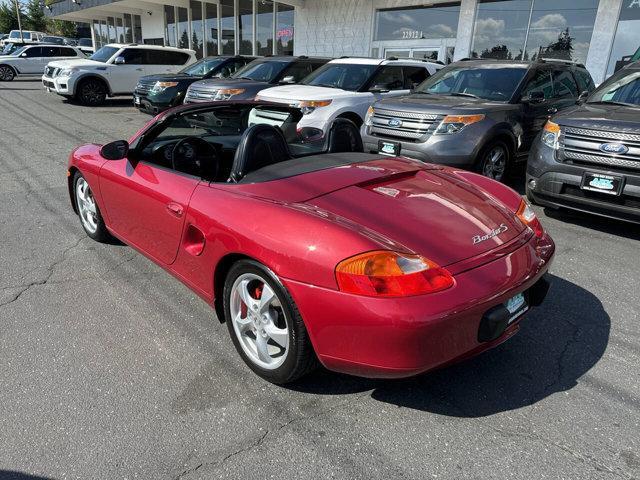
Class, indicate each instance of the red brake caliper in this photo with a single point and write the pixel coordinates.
(257, 295)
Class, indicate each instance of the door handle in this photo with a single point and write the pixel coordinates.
(175, 209)
(552, 110)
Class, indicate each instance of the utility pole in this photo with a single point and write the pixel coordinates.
(19, 22)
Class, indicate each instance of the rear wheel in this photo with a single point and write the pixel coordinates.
(92, 92)
(494, 160)
(265, 325)
(6, 73)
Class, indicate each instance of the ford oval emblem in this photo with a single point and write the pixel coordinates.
(617, 148)
(395, 123)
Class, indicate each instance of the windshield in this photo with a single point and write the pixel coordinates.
(202, 67)
(622, 88)
(85, 42)
(18, 51)
(497, 82)
(11, 48)
(104, 54)
(56, 40)
(262, 70)
(16, 34)
(341, 75)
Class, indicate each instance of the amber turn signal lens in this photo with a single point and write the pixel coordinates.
(389, 274)
(527, 216)
(464, 119)
(552, 127)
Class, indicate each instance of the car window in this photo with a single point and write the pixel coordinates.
(297, 70)
(133, 56)
(388, 78)
(161, 57)
(33, 52)
(585, 82)
(50, 52)
(67, 52)
(564, 85)
(621, 88)
(541, 82)
(414, 76)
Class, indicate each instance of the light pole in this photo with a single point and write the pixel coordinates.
(19, 22)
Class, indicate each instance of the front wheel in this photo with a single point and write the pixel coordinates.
(265, 325)
(6, 73)
(494, 160)
(88, 211)
(92, 92)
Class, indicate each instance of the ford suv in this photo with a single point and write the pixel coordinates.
(262, 73)
(588, 157)
(113, 70)
(156, 93)
(346, 87)
(30, 60)
(476, 114)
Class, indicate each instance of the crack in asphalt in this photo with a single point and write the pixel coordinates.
(50, 271)
(262, 439)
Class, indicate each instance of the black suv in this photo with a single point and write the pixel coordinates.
(588, 157)
(476, 114)
(262, 73)
(155, 93)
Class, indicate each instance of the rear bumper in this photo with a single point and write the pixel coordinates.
(393, 338)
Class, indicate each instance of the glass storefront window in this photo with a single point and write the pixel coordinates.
(119, 30)
(626, 44)
(438, 21)
(245, 26)
(170, 26)
(284, 29)
(112, 29)
(211, 28)
(500, 29)
(128, 31)
(104, 32)
(550, 28)
(196, 28)
(561, 29)
(183, 28)
(264, 28)
(227, 26)
(96, 34)
(137, 29)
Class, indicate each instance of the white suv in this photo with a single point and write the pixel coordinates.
(113, 70)
(28, 36)
(347, 87)
(31, 60)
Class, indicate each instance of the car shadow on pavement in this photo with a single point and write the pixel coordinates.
(595, 222)
(109, 102)
(558, 343)
(13, 475)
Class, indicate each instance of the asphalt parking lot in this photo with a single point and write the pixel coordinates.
(110, 368)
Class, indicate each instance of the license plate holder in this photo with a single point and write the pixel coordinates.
(516, 306)
(389, 148)
(602, 183)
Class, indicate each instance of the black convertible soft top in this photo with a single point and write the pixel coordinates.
(308, 164)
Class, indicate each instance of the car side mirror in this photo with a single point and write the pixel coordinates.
(380, 88)
(288, 80)
(582, 97)
(115, 150)
(534, 97)
(119, 61)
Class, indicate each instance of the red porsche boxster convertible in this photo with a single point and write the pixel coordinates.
(311, 249)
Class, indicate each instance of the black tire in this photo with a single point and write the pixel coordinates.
(92, 92)
(100, 233)
(301, 358)
(7, 73)
(488, 164)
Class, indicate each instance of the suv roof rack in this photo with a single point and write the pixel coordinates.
(559, 60)
(415, 59)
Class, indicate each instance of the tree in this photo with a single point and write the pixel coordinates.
(35, 19)
(8, 17)
(500, 52)
(184, 40)
(562, 48)
(62, 28)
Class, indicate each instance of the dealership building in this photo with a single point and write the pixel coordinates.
(598, 33)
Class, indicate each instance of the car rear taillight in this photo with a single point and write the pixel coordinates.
(389, 274)
(526, 214)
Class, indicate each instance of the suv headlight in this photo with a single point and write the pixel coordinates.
(161, 86)
(308, 106)
(67, 72)
(227, 93)
(551, 134)
(454, 123)
(368, 118)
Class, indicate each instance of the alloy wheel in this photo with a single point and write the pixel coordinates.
(495, 163)
(259, 321)
(6, 74)
(86, 206)
(92, 93)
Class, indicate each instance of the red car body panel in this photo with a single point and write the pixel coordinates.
(301, 227)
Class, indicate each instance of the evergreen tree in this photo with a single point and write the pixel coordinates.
(8, 17)
(184, 40)
(35, 19)
(62, 28)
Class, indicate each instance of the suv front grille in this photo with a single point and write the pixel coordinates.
(200, 95)
(404, 125)
(51, 72)
(582, 146)
(143, 86)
